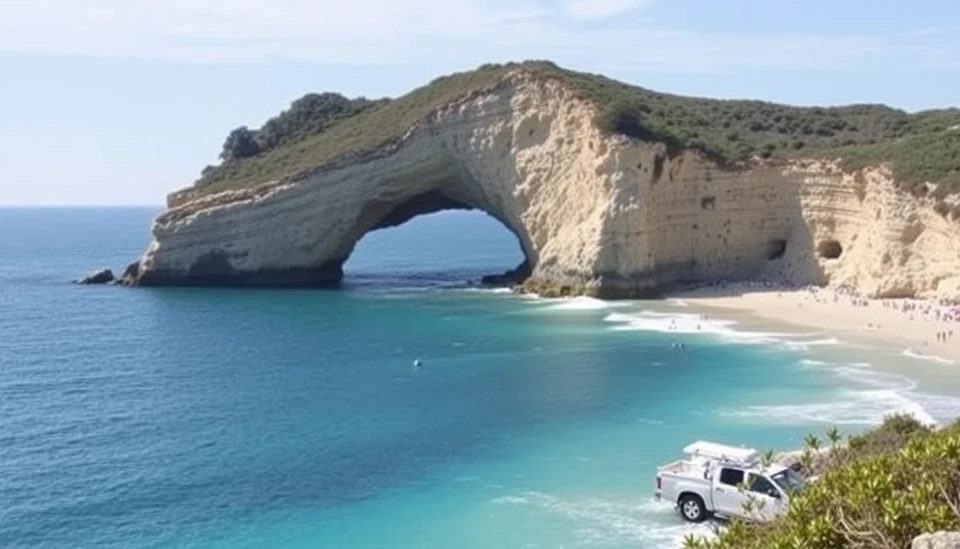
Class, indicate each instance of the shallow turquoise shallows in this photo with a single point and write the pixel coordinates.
(191, 418)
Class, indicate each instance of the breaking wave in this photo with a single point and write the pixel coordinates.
(873, 396)
(931, 358)
(673, 323)
(605, 523)
(579, 303)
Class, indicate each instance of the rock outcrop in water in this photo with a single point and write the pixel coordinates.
(594, 214)
(103, 276)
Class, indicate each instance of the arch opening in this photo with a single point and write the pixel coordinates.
(433, 240)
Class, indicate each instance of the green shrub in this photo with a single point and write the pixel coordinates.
(240, 143)
(625, 116)
(311, 114)
(880, 491)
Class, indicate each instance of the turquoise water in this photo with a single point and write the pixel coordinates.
(288, 418)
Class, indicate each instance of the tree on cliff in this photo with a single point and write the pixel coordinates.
(309, 115)
(241, 143)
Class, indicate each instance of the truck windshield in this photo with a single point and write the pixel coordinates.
(789, 480)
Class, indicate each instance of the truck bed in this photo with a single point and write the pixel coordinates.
(693, 469)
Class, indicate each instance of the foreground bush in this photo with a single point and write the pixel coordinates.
(879, 491)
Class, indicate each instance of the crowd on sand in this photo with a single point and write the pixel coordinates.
(941, 311)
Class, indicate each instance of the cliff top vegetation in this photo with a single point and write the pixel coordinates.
(323, 127)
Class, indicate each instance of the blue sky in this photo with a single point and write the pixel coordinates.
(122, 101)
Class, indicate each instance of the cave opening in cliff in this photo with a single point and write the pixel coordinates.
(776, 248)
(829, 249)
(451, 248)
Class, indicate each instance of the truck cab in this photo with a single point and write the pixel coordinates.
(720, 480)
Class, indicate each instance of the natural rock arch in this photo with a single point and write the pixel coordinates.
(516, 156)
(594, 214)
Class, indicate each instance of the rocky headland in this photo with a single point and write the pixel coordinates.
(612, 191)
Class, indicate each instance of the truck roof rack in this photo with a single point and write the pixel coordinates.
(722, 452)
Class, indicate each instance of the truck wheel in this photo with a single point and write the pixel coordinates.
(692, 508)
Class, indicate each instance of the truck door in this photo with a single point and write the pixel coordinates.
(766, 495)
(727, 498)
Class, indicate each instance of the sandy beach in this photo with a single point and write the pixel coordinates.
(922, 328)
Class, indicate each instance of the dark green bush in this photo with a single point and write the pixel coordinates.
(626, 117)
(240, 143)
(309, 115)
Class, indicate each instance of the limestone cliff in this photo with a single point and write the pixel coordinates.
(594, 214)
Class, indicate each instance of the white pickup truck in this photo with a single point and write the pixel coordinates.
(720, 480)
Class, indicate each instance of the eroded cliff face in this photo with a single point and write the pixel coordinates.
(594, 215)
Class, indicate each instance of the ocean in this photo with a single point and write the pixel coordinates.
(225, 418)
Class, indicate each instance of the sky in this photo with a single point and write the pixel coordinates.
(113, 102)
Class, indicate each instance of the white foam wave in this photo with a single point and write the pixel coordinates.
(685, 323)
(678, 302)
(510, 499)
(805, 345)
(581, 303)
(863, 375)
(942, 407)
(604, 523)
(650, 321)
(874, 396)
(870, 397)
(932, 358)
(809, 362)
(850, 408)
(484, 290)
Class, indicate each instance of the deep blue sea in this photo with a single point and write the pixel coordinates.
(214, 418)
